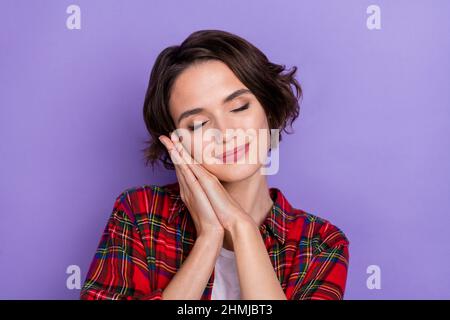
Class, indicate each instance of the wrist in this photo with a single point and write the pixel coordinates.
(212, 235)
(242, 225)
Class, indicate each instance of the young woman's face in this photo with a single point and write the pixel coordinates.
(212, 126)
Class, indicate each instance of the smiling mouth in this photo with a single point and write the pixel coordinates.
(235, 153)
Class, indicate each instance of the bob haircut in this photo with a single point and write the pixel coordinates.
(276, 91)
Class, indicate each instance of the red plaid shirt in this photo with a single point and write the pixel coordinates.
(150, 233)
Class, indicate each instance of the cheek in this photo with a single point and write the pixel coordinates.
(259, 119)
(198, 148)
(263, 132)
(260, 124)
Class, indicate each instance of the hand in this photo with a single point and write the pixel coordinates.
(227, 210)
(192, 194)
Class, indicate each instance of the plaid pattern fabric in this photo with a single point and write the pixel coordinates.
(150, 233)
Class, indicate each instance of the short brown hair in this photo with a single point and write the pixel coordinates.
(265, 80)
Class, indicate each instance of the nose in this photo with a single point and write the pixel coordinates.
(228, 131)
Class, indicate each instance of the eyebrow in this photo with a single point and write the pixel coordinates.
(232, 96)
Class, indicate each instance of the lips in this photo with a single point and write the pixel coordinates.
(233, 152)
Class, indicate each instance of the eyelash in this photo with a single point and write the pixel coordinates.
(244, 107)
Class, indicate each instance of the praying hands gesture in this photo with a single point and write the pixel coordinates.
(210, 205)
(214, 211)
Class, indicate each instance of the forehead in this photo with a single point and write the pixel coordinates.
(203, 85)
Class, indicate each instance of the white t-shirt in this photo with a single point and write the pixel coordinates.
(226, 280)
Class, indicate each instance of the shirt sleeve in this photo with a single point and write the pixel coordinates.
(119, 270)
(326, 274)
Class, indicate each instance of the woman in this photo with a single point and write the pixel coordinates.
(219, 232)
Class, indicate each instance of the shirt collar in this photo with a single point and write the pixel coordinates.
(276, 221)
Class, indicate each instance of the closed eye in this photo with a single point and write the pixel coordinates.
(192, 128)
(244, 107)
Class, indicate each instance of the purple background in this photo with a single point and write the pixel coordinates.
(370, 150)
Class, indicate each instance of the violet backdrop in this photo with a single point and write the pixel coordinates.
(370, 151)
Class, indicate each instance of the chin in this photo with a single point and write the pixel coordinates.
(233, 172)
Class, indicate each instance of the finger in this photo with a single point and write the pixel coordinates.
(209, 182)
(203, 175)
(180, 177)
(196, 175)
(180, 148)
(211, 198)
(186, 180)
(189, 177)
(185, 157)
(198, 170)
